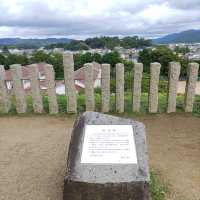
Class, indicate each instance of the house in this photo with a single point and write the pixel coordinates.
(25, 77)
(58, 50)
(79, 78)
(16, 51)
(60, 86)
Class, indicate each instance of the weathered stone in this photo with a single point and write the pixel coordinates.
(4, 97)
(51, 89)
(191, 86)
(35, 89)
(89, 87)
(153, 90)
(174, 72)
(137, 79)
(19, 92)
(120, 88)
(105, 87)
(84, 181)
(70, 90)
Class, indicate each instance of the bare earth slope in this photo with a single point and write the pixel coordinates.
(33, 155)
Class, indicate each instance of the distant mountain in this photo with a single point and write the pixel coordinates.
(189, 36)
(19, 42)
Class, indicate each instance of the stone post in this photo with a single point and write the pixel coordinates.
(4, 98)
(70, 90)
(120, 88)
(51, 89)
(16, 71)
(35, 89)
(191, 86)
(137, 79)
(89, 87)
(174, 72)
(153, 90)
(105, 87)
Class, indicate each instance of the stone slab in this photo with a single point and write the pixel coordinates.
(89, 181)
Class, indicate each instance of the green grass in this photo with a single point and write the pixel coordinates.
(157, 190)
(62, 102)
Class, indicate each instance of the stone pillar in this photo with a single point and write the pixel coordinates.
(191, 86)
(174, 72)
(4, 98)
(105, 87)
(16, 71)
(89, 87)
(51, 89)
(35, 89)
(153, 90)
(137, 79)
(120, 88)
(70, 91)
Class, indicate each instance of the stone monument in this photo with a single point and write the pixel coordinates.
(107, 159)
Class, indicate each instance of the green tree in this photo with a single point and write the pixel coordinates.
(76, 45)
(182, 50)
(5, 50)
(111, 42)
(39, 56)
(81, 59)
(161, 54)
(16, 59)
(112, 58)
(2, 60)
(145, 57)
(56, 60)
(128, 65)
(97, 57)
(184, 66)
(96, 42)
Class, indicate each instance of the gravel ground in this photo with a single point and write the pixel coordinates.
(33, 155)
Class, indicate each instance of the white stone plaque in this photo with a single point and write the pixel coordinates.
(109, 144)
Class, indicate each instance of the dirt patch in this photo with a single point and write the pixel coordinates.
(33, 155)
(174, 151)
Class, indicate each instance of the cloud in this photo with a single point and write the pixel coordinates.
(185, 4)
(83, 18)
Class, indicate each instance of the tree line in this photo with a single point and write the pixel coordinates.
(163, 55)
(75, 45)
(103, 42)
(56, 59)
(159, 54)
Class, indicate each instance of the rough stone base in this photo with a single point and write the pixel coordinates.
(109, 191)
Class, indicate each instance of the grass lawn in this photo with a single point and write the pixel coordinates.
(128, 104)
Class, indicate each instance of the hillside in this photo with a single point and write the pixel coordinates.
(74, 45)
(19, 42)
(188, 36)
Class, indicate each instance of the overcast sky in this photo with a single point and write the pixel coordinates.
(88, 18)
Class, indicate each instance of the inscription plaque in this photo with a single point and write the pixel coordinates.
(109, 144)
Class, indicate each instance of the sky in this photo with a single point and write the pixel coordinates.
(80, 19)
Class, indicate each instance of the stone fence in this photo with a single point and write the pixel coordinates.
(70, 91)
